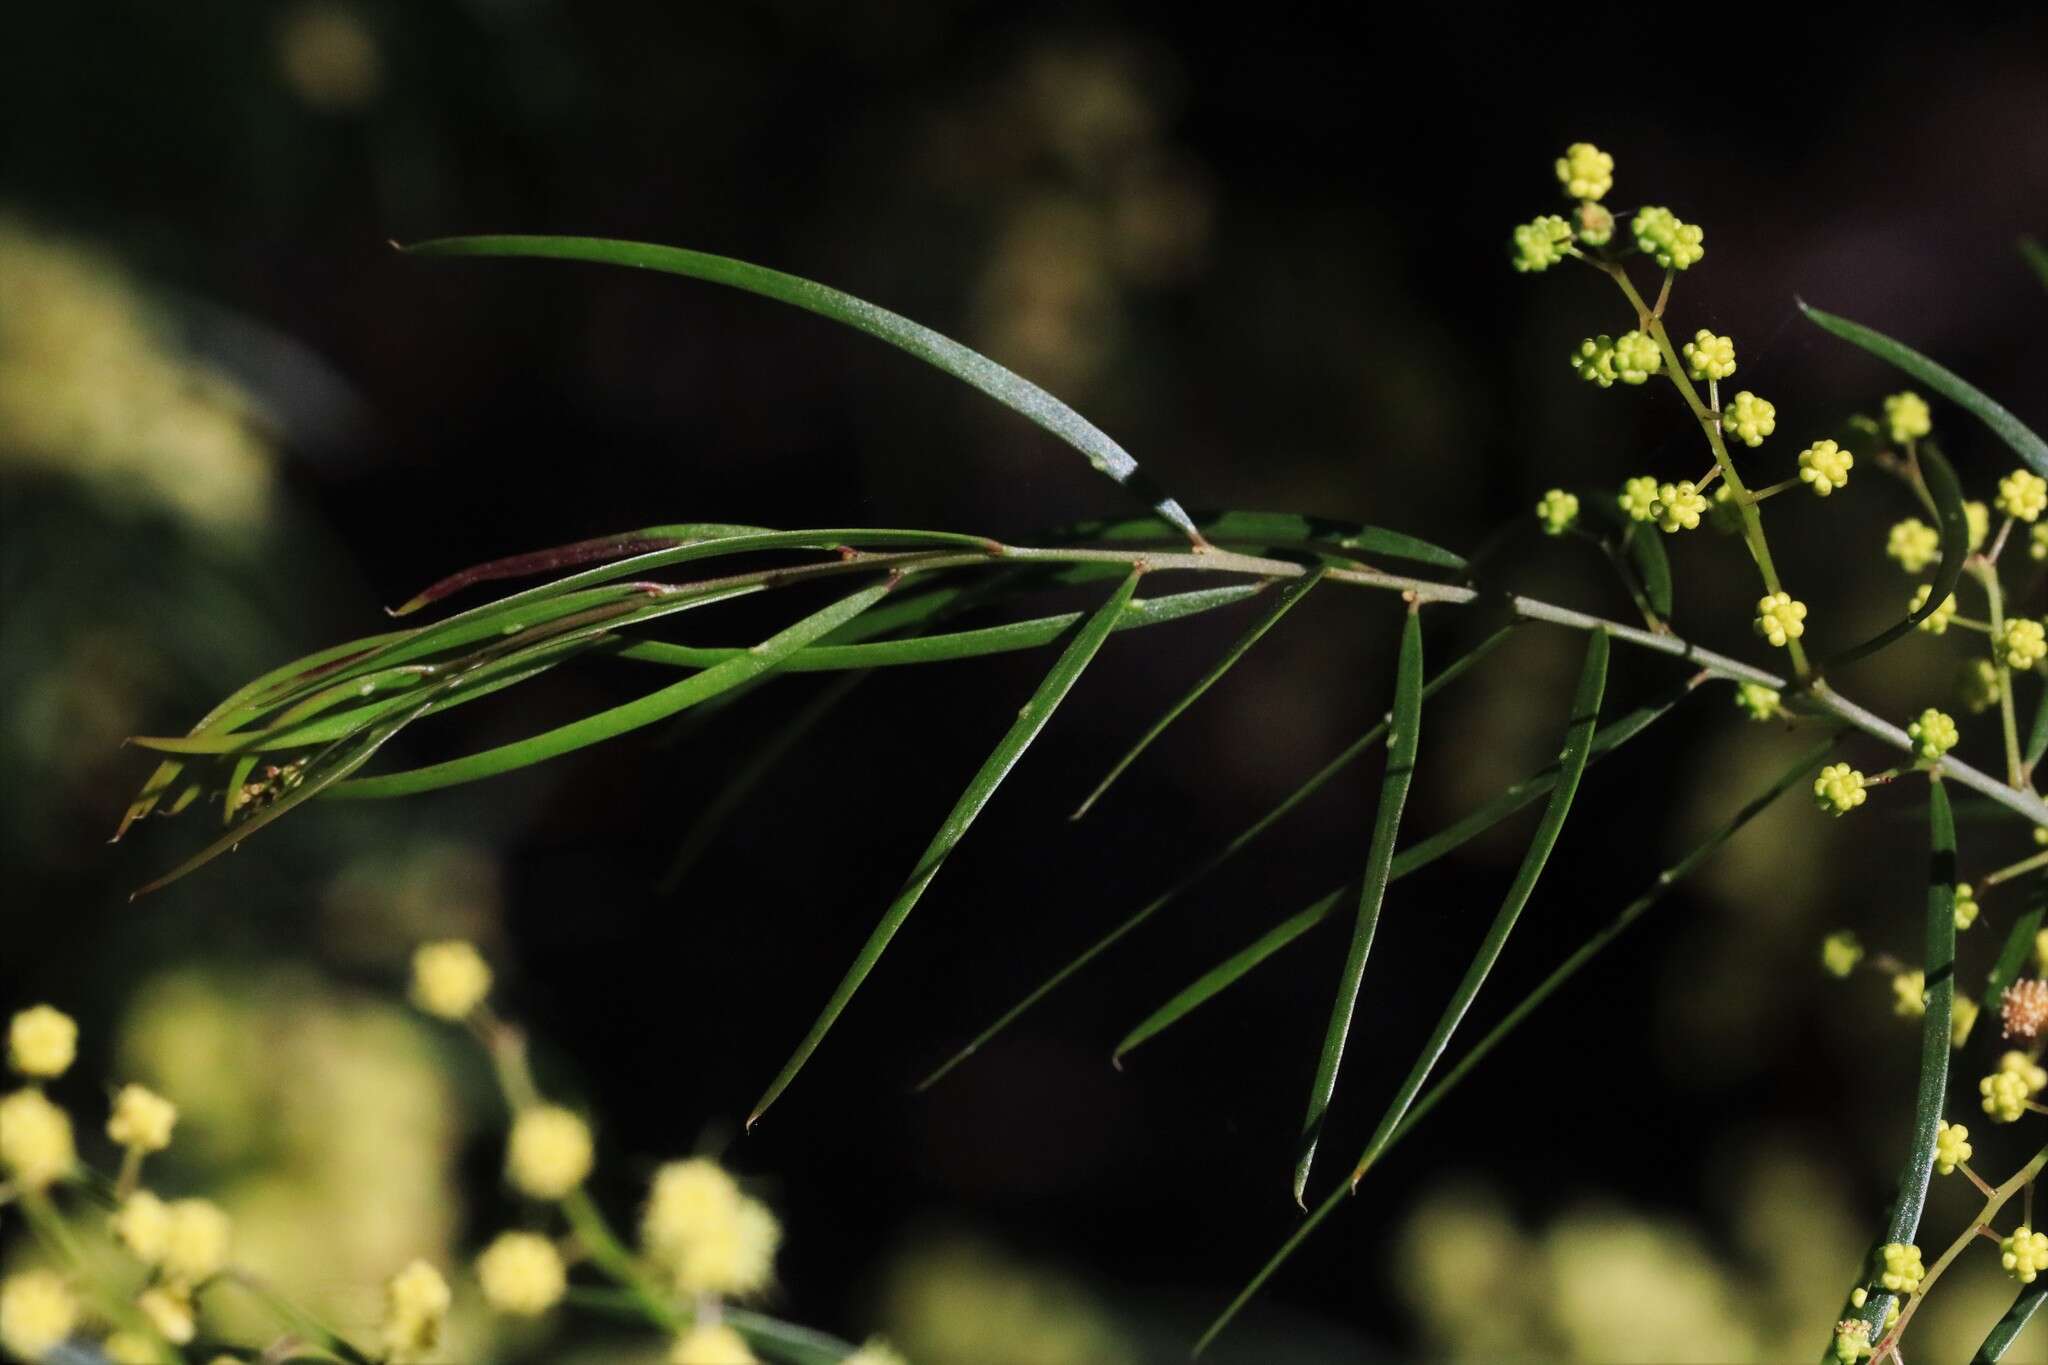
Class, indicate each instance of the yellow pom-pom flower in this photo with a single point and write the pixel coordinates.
(1935, 622)
(549, 1153)
(449, 979)
(2022, 643)
(1961, 1019)
(1909, 994)
(1758, 702)
(1951, 1147)
(1593, 361)
(1558, 511)
(1749, 418)
(1933, 734)
(1679, 506)
(37, 1313)
(1899, 1268)
(1708, 356)
(2022, 494)
(709, 1236)
(35, 1140)
(1914, 544)
(1852, 1340)
(1824, 466)
(1541, 244)
(197, 1241)
(1673, 244)
(2024, 1254)
(1780, 619)
(1966, 908)
(711, 1343)
(2017, 1063)
(1907, 418)
(521, 1274)
(1585, 171)
(41, 1042)
(142, 1119)
(416, 1302)
(1839, 953)
(2005, 1096)
(1636, 358)
(1639, 499)
(143, 1225)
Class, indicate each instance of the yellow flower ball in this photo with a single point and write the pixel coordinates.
(2024, 1254)
(42, 1042)
(142, 1119)
(1907, 417)
(35, 1140)
(1979, 517)
(449, 979)
(1951, 1147)
(549, 1152)
(416, 1302)
(37, 1313)
(2022, 494)
(711, 1343)
(522, 1274)
(1935, 622)
(143, 1225)
(1914, 544)
(197, 1243)
(709, 1236)
(1900, 1268)
(1909, 991)
(1780, 619)
(1824, 466)
(1585, 171)
(2022, 644)
(1839, 954)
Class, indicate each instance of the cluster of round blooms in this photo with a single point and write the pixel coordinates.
(1639, 498)
(1933, 733)
(1596, 223)
(1636, 358)
(142, 1120)
(1962, 1018)
(1900, 1268)
(1852, 1340)
(1594, 360)
(1749, 419)
(521, 1273)
(2007, 1090)
(1710, 357)
(2023, 1008)
(708, 1235)
(1558, 511)
(449, 979)
(2023, 643)
(416, 1303)
(549, 1152)
(1935, 622)
(197, 1236)
(2022, 494)
(1951, 1147)
(2024, 1254)
(1839, 953)
(1909, 990)
(1757, 701)
(711, 1343)
(1966, 907)
(1679, 506)
(1824, 466)
(1977, 685)
(1780, 619)
(1585, 171)
(1673, 244)
(41, 1042)
(1542, 243)
(1914, 544)
(37, 1313)
(1906, 417)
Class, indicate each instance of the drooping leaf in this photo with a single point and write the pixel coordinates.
(1954, 525)
(1402, 739)
(1282, 603)
(1658, 889)
(1012, 391)
(1058, 682)
(2030, 1299)
(2019, 947)
(1242, 840)
(1943, 381)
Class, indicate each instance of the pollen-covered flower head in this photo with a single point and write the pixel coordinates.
(2020, 1064)
(1780, 619)
(197, 1242)
(1899, 1267)
(1636, 357)
(1909, 994)
(1679, 506)
(41, 1042)
(2022, 494)
(1673, 244)
(708, 1235)
(1935, 622)
(2023, 1009)
(1749, 418)
(1593, 360)
(1824, 466)
(35, 1140)
(1840, 952)
(1585, 171)
(1558, 511)
(549, 1153)
(416, 1302)
(1906, 417)
(1933, 733)
(1758, 702)
(1708, 356)
(142, 1119)
(2022, 644)
(1541, 243)
(2005, 1095)
(711, 1343)
(2024, 1254)
(38, 1313)
(143, 1226)
(1639, 498)
(522, 1274)
(449, 979)
(1914, 544)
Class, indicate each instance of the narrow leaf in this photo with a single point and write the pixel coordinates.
(2012, 958)
(1026, 728)
(1640, 544)
(1012, 391)
(1275, 530)
(1402, 740)
(598, 550)
(2037, 737)
(1954, 525)
(1244, 839)
(2030, 1299)
(1950, 385)
(1281, 605)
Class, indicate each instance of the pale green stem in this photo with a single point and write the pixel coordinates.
(2024, 865)
(614, 1258)
(1986, 573)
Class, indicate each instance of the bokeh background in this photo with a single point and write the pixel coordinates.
(1265, 251)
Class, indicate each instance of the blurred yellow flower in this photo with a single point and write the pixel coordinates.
(196, 1248)
(416, 1302)
(35, 1139)
(449, 979)
(549, 1152)
(521, 1273)
(37, 1313)
(143, 1225)
(705, 1233)
(142, 1119)
(169, 1310)
(41, 1042)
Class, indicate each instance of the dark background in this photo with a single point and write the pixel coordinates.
(1266, 251)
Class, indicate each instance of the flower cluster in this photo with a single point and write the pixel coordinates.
(1636, 357)
(1542, 243)
(1585, 171)
(1558, 511)
(1749, 419)
(1679, 506)
(1909, 994)
(1951, 1147)
(2006, 1091)
(1914, 544)
(1824, 466)
(2024, 1254)
(1899, 1268)
(1935, 622)
(2022, 494)
(1672, 244)
(1780, 619)
(2023, 1008)
(1933, 734)
(1710, 357)
(1907, 418)
(1840, 952)
(1758, 702)
(2022, 644)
